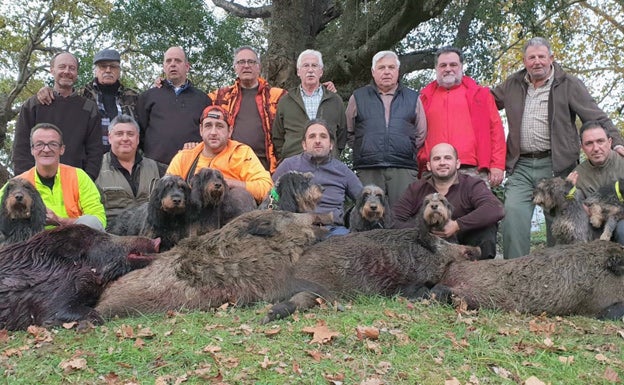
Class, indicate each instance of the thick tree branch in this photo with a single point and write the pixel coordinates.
(463, 29)
(232, 8)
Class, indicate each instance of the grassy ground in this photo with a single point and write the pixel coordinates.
(374, 341)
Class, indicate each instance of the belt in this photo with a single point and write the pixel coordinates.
(536, 154)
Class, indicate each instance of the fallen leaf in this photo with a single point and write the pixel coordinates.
(320, 333)
(372, 381)
(611, 375)
(537, 325)
(211, 349)
(452, 381)
(73, 364)
(315, 354)
(272, 331)
(373, 347)
(145, 333)
(600, 357)
(566, 360)
(4, 335)
(548, 342)
(139, 343)
(296, 368)
(246, 329)
(502, 372)
(69, 325)
(369, 332)
(533, 381)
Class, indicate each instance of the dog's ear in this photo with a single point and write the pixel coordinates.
(615, 264)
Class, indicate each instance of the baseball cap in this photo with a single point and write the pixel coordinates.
(215, 112)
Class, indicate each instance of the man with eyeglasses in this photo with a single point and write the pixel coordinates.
(69, 194)
(310, 100)
(169, 114)
(77, 117)
(111, 97)
(252, 105)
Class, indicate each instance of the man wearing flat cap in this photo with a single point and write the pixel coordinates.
(112, 97)
(237, 161)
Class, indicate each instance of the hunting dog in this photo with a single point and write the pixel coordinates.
(606, 207)
(23, 213)
(371, 210)
(570, 221)
(166, 215)
(294, 192)
(214, 203)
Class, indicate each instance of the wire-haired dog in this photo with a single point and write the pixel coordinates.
(165, 216)
(371, 210)
(606, 207)
(570, 221)
(214, 203)
(294, 192)
(23, 213)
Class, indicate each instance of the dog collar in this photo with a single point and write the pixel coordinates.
(274, 195)
(570, 194)
(618, 192)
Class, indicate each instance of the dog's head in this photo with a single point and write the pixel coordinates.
(373, 208)
(21, 200)
(208, 188)
(552, 193)
(599, 210)
(297, 193)
(171, 193)
(436, 211)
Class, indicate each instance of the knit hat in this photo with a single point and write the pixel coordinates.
(215, 112)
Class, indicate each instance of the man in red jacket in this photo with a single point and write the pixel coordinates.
(463, 114)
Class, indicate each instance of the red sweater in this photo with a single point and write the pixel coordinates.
(467, 118)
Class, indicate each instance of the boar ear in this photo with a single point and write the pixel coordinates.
(615, 264)
(262, 227)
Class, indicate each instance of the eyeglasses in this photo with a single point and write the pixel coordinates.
(249, 62)
(103, 66)
(39, 146)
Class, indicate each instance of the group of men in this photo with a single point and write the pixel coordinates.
(450, 133)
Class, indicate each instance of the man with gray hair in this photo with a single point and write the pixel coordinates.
(386, 126)
(252, 105)
(310, 100)
(126, 177)
(542, 103)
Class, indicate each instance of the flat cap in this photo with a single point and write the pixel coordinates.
(106, 55)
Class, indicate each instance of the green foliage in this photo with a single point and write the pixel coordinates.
(146, 28)
(398, 343)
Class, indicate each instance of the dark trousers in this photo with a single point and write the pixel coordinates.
(485, 238)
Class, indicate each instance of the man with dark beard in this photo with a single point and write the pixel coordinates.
(476, 211)
(338, 181)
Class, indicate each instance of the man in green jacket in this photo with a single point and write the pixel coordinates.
(310, 100)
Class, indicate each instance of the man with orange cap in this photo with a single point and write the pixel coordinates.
(237, 161)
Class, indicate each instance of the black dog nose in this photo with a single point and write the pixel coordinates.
(176, 200)
(373, 207)
(434, 206)
(19, 197)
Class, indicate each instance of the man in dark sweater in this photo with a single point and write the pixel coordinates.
(476, 211)
(76, 116)
(169, 114)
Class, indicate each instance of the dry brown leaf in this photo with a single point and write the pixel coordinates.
(139, 343)
(383, 367)
(369, 332)
(533, 381)
(502, 372)
(566, 360)
(224, 306)
(125, 331)
(452, 381)
(296, 368)
(315, 354)
(389, 313)
(321, 334)
(145, 333)
(266, 363)
(246, 329)
(40, 334)
(538, 325)
(231, 362)
(620, 333)
(335, 378)
(73, 364)
(600, 357)
(611, 375)
(4, 335)
(69, 325)
(372, 381)
(211, 349)
(548, 342)
(272, 331)
(111, 378)
(373, 347)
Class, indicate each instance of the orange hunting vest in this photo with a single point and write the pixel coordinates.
(69, 186)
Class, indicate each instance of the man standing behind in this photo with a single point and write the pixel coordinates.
(338, 181)
(68, 193)
(386, 126)
(310, 100)
(463, 114)
(78, 118)
(237, 161)
(252, 105)
(542, 103)
(169, 115)
(126, 177)
(112, 97)
(476, 211)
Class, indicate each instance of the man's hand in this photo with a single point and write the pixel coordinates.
(189, 145)
(55, 220)
(572, 177)
(495, 177)
(235, 183)
(449, 230)
(330, 86)
(45, 95)
(158, 82)
(619, 150)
